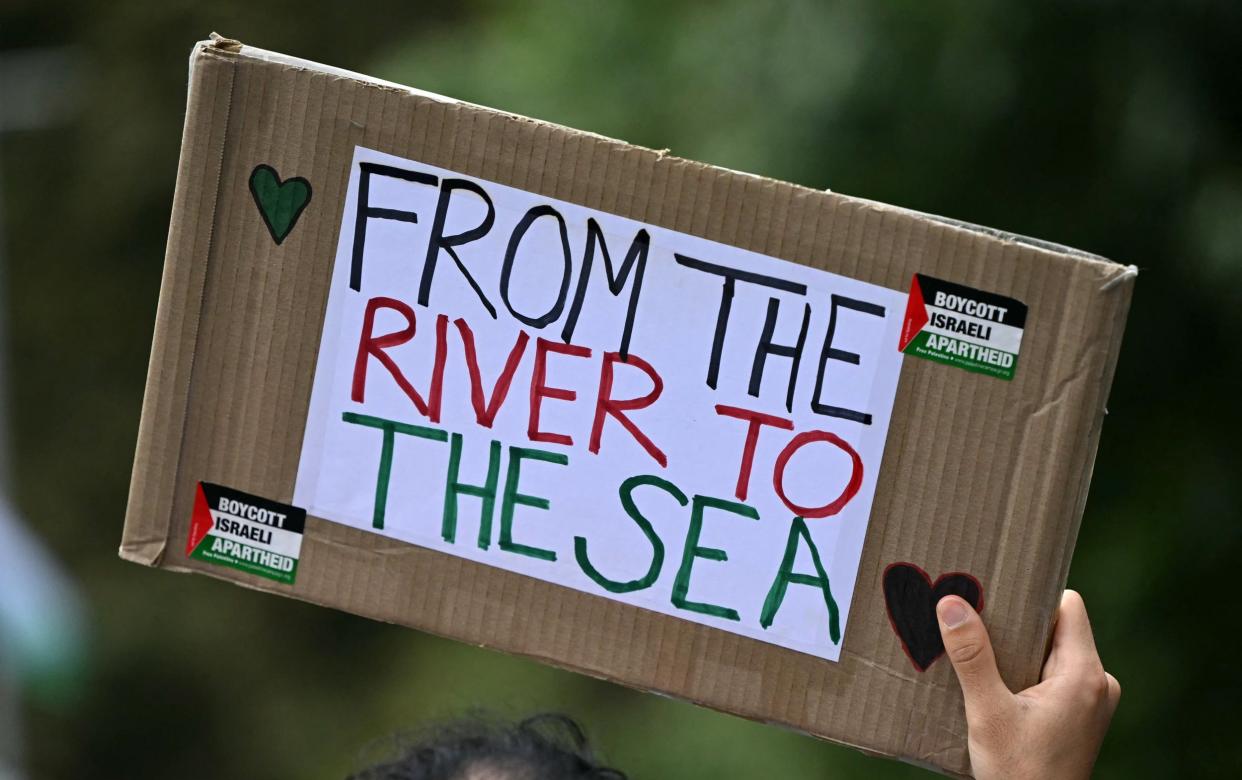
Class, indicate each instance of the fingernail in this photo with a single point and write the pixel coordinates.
(952, 612)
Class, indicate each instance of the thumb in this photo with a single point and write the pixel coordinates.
(970, 651)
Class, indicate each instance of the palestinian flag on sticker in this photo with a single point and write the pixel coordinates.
(964, 327)
(245, 532)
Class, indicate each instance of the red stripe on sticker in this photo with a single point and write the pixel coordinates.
(916, 315)
(200, 520)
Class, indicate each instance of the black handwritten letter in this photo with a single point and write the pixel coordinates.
(365, 210)
(731, 277)
(506, 271)
(832, 353)
(766, 347)
(635, 259)
(439, 241)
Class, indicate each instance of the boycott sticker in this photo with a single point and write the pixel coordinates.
(245, 532)
(964, 327)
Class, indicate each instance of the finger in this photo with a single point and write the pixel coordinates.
(969, 649)
(1073, 644)
(1114, 693)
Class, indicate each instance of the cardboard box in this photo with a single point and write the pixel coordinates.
(687, 429)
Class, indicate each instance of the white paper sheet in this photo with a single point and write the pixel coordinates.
(675, 325)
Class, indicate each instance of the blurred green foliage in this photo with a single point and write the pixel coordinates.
(1113, 127)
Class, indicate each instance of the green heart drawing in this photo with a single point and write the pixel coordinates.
(280, 203)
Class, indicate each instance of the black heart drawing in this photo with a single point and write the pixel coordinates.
(910, 597)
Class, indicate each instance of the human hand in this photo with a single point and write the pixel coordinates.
(1051, 730)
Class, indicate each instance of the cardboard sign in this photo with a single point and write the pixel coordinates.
(694, 431)
(608, 405)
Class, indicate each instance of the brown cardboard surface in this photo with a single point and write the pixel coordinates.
(993, 482)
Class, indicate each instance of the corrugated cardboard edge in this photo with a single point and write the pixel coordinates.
(1118, 289)
(1107, 324)
(177, 317)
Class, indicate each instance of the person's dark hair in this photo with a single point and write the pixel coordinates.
(543, 747)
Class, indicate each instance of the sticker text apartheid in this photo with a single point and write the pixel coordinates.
(618, 408)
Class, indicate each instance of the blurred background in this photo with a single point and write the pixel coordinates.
(1112, 127)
